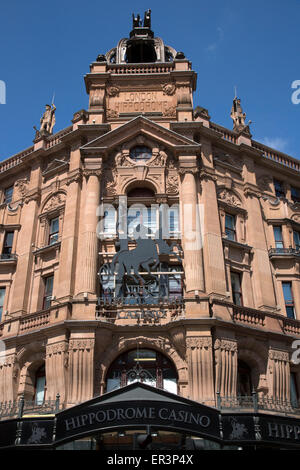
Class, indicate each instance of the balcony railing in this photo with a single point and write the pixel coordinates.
(255, 403)
(35, 321)
(248, 315)
(8, 257)
(22, 407)
(284, 251)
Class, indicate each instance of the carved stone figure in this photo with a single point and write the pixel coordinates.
(48, 119)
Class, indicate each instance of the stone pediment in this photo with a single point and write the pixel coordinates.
(141, 126)
(56, 166)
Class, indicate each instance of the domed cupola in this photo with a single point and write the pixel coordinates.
(141, 46)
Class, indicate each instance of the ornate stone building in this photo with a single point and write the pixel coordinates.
(211, 313)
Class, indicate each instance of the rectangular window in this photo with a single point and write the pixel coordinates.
(7, 246)
(109, 221)
(297, 240)
(294, 390)
(288, 299)
(236, 288)
(278, 238)
(48, 289)
(295, 194)
(230, 226)
(173, 213)
(8, 193)
(54, 230)
(2, 295)
(279, 191)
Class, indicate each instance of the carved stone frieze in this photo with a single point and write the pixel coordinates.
(229, 197)
(172, 183)
(74, 178)
(225, 344)
(111, 113)
(122, 160)
(159, 160)
(56, 348)
(113, 91)
(170, 111)
(54, 202)
(279, 355)
(21, 185)
(199, 342)
(82, 344)
(87, 172)
(169, 89)
(264, 182)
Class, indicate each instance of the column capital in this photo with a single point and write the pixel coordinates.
(87, 172)
(185, 170)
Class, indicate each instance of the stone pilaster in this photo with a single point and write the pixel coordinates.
(7, 378)
(279, 375)
(215, 280)
(21, 286)
(56, 363)
(81, 369)
(69, 239)
(87, 269)
(191, 231)
(200, 367)
(226, 367)
(262, 276)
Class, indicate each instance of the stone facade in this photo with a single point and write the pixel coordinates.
(212, 173)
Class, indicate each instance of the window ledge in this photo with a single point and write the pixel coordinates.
(236, 244)
(47, 248)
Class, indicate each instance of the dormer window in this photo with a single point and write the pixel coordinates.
(140, 153)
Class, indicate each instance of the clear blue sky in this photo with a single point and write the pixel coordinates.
(47, 46)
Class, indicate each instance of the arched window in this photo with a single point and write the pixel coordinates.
(40, 385)
(142, 365)
(140, 153)
(244, 382)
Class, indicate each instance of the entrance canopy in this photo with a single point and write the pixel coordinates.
(140, 406)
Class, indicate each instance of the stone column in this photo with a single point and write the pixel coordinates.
(88, 246)
(56, 364)
(7, 378)
(69, 238)
(215, 279)
(263, 287)
(226, 367)
(200, 368)
(23, 276)
(81, 368)
(191, 231)
(279, 375)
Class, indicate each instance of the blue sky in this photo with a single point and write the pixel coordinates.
(254, 45)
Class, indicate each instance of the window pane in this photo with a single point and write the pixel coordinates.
(279, 191)
(294, 394)
(278, 237)
(2, 295)
(48, 292)
(40, 390)
(174, 219)
(54, 225)
(8, 194)
(230, 226)
(109, 225)
(295, 192)
(149, 219)
(236, 288)
(297, 240)
(8, 241)
(140, 153)
(287, 292)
